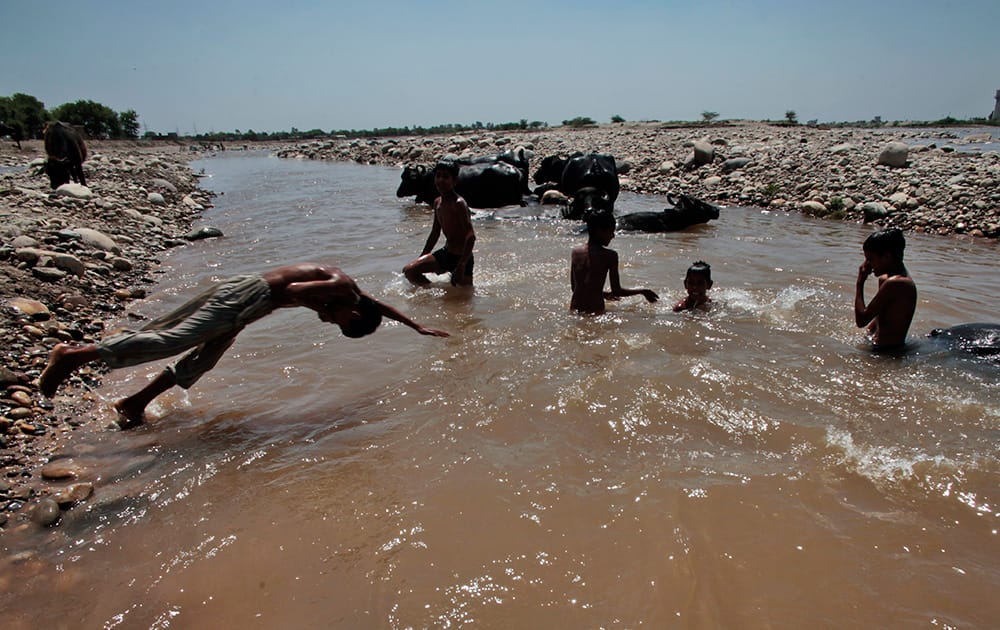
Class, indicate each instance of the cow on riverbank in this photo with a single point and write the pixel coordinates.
(65, 152)
(483, 185)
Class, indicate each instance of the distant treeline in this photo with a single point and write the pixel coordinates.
(23, 117)
(295, 134)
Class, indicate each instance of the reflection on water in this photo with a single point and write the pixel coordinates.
(754, 466)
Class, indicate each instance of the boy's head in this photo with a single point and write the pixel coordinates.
(446, 171)
(600, 226)
(888, 241)
(884, 251)
(698, 279)
(363, 318)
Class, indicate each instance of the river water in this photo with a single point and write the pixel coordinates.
(753, 467)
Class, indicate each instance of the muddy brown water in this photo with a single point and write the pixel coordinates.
(751, 467)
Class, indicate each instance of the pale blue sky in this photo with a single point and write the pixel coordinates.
(224, 65)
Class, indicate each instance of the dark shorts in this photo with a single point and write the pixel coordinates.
(447, 261)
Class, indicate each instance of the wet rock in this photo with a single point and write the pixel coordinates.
(21, 398)
(73, 494)
(203, 232)
(48, 274)
(46, 513)
(8, 377)
(59, 469)
(814, 208)
(27, 306)
(874, 211)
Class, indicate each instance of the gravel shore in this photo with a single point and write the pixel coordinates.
(72, 262)
(935, 181)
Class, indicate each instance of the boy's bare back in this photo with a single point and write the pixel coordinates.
(589, 267)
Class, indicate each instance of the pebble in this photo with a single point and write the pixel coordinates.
(46, 512)
(59, 469)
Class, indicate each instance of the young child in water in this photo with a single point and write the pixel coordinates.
(592, 263)
(890, 311)
(697, 281)
(453, 218)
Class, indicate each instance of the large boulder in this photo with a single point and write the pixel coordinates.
(894, 155)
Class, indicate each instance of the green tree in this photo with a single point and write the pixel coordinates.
(99, 121)
(792, 117)
(579, 121)
(128, 120)
(22, 116)
(617, 119)
(708, 116)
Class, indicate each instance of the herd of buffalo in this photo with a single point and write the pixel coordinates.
(580, 183)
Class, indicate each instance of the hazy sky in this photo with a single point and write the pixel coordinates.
(268, 66)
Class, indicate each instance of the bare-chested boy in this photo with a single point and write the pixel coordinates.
(451, 216)
(592, 263)
(210, 322)
(890, 311)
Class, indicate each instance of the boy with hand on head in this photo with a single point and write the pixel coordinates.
(592, 262)
(451, 216)
(890, 311)
(208, 324)
(697, 281)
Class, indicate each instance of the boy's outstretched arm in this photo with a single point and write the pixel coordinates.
(392, 313)
(616, 286)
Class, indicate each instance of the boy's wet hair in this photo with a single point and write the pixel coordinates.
(890, 240)
(599, 220)
(370, 319)
(448, 166)
(701, 267)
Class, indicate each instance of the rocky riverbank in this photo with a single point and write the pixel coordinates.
(70, 261)
(920, 180)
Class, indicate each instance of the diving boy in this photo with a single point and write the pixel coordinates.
(591, 263)
(208, 324)
(890, 311)
(697, 281)
(451, 216)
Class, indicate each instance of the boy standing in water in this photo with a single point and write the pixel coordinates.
(697, 281)
(890, 311)
(592, 262)
(210, 322)
(451, 216)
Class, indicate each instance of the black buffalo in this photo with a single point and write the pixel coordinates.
(979, 339)
(65, 153)
(593, 170)
(517, 159)
(483, 185)
(686, 211)
(586, 201)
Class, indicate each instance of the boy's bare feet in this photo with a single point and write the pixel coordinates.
(61, 365)
(128, 416)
